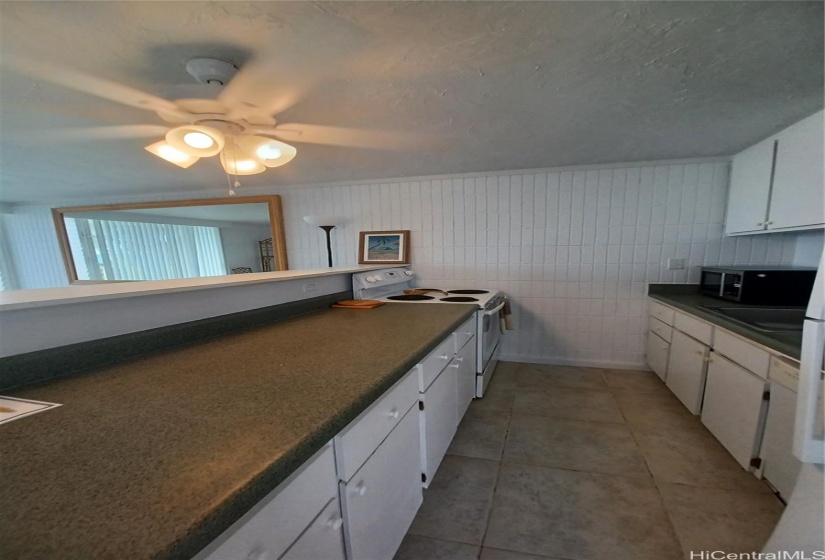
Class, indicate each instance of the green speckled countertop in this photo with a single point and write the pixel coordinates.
(154, 458)
(687, 298)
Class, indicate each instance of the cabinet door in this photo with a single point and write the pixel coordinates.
(780, 467)
(464, 364)
(686, 369)
(657, 354)
(381, 500)
(439, 420)
(734, 408)
(750, 186)
(324, 538)
(798, 196)
(276, 522)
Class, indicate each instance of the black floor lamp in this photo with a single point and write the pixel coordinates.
(326, 223)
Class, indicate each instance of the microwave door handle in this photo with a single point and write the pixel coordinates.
(722, 285)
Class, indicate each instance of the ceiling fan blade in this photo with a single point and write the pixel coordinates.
(372, 139)
(87, 83)
(280, 74)
(264, 86)
(96, 133)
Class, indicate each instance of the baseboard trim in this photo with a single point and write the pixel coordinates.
(577, 363)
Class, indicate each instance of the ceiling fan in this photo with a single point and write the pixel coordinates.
(238, 124)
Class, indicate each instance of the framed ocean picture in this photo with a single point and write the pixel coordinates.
(384, 247)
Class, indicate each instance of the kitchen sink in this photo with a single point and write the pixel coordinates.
(769, 319)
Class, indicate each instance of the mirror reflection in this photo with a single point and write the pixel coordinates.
(174, 240)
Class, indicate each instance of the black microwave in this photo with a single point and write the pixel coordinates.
(759, 285)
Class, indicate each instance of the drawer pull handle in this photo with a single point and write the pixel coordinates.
(360, 489)
(335, 523)
(445, 357)
(459, 359)
(456, 366)
(469, 333)
(393, 413)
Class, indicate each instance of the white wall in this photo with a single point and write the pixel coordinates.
(573, 247)
(809, 247)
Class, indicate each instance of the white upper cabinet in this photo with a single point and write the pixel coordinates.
(777, 185)
(750, 187)
(798, 198)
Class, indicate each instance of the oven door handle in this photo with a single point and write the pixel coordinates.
(495, 310)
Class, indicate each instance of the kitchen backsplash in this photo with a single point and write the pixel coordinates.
(573, 248)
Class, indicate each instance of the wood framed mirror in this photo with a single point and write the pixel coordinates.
(171, 240)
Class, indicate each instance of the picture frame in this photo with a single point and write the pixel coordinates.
(384, 247)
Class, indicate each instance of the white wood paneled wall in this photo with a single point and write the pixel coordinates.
(573, 248)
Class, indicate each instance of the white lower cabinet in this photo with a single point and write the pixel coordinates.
(464, 364)
(734, 408)
(323, 539)
(356, 497)
(380, 501)
(686, 369)
(439, 420)
(658, 351)
(277, 521)
(780, 466)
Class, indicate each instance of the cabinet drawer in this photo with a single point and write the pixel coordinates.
(324, 538)
(464, 333)
(701, 331)
(743, 353)
(270, 527)
(434, 363)
(355, 443)
(381, 500)
(664, 314)
(655, 325)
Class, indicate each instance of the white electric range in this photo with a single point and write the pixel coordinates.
(389, 284)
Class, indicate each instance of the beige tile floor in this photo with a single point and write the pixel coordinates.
(586, 464)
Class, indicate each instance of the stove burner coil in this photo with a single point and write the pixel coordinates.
(410, 297)
(459, 299)
(468, 292)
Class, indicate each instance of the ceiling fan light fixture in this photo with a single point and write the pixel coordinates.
(164, 151)
(196, 140)
(269, 152)
(236, 161)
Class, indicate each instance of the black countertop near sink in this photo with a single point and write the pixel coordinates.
(156, 457)
(688, 298)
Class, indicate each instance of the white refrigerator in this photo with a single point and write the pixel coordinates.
(802, 526)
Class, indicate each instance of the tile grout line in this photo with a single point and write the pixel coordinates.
(653, 479)
(498, 476)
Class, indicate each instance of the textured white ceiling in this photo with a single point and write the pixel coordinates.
(492, 85)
